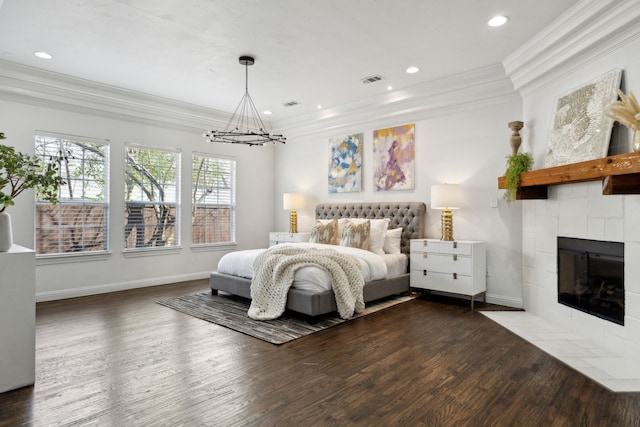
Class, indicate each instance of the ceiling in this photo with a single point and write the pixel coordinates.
(314, 53)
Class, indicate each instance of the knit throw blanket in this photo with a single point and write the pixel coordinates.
(273, 272)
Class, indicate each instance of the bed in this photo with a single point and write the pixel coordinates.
(408, 216)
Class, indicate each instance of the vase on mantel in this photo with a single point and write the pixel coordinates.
(6, 235)
(516, 139)
(636, 140)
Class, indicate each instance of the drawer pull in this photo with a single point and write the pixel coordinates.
(424, 243)
(455, 245)
(424, 254)
(424, 272)
(455, 257)
(455, 276)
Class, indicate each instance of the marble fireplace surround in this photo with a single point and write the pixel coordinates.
(607, 352)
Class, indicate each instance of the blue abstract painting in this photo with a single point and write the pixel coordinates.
(345, 164)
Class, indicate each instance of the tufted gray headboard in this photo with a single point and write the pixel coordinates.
(408, 215)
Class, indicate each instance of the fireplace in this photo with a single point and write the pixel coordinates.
(591, 277)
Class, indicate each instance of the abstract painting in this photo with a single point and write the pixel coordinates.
(580, 130)
(345, 164)
(394, 158)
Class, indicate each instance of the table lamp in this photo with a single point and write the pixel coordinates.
(446, 197)
(291, 202)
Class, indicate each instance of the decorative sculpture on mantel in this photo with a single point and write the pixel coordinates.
(516, 140)
(627, 112)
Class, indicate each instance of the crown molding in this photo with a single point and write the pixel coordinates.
(448, 95)
(35, 86)
(586, 32)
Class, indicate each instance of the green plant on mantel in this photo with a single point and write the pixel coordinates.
(516, 164)
(19, 172)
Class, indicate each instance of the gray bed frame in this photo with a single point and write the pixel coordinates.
(408, 215)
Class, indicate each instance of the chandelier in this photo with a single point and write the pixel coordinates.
(246, 126)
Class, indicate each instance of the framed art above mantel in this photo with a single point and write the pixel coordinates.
(580, 129)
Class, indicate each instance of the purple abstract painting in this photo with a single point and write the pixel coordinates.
(394, 158)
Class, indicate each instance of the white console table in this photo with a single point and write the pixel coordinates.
(17, 318)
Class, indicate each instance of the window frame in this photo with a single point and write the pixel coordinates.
(131, 251)
(83, 202)
(232, 224)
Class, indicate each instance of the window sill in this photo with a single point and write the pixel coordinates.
(72, 258)
(145, 252)
(212, 247)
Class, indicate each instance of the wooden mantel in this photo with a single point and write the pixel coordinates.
(620, 174)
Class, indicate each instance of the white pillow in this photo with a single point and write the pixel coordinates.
(377, 233)
(392, 241)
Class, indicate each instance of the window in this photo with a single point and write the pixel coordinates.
(152, 194)
(213, 200)
(79, 222)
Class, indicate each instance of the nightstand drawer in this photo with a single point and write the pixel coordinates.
(439, 246)
(444, 282)
(445, 263)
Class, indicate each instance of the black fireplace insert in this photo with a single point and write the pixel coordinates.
(591, 277)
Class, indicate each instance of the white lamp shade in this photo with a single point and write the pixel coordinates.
(292, 201)
(446, 196)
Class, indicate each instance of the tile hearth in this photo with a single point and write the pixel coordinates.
(618, 374)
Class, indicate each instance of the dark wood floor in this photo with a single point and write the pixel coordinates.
(121, 360)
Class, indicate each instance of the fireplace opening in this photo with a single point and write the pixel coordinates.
(591, 277)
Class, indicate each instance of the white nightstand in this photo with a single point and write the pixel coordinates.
(276, 237)
(457, 267)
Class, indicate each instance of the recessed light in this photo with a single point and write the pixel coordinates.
(319, 107)
(389, 87)
(42, 55)
(267, 112)
(412, 70)
(497, 21)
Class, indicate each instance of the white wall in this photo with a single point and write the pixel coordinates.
(255, 195)
(467, 146)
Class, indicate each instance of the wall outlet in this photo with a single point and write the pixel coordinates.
(493, 203)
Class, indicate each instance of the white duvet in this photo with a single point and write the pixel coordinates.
(374, 267)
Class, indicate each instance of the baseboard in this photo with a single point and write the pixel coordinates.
(506, 301)
(490, 298)
(121, 286)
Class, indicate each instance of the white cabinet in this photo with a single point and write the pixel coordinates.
(457, 267)
(17, 318)
(276, 237)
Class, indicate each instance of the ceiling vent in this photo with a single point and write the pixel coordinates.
(291, 103)
(372, 79)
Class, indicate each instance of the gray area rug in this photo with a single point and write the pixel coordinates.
(231, 312)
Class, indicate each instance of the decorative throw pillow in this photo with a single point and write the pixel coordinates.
(326, 233)
(341, 222)
(392, 241)
(377, 233)
(356, 235)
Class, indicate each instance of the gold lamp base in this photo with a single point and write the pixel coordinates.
(447, 225)
(293, 222)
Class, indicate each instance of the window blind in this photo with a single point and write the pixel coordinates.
(213, 199)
